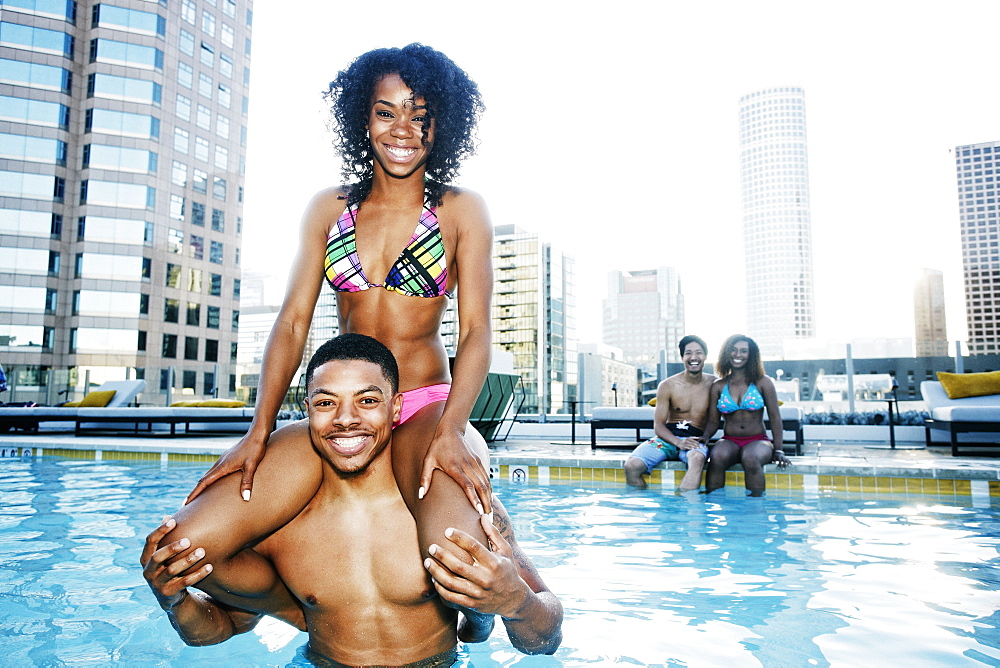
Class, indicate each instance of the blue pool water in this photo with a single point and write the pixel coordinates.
(646, 578)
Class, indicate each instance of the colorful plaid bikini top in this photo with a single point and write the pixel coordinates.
(419, 271)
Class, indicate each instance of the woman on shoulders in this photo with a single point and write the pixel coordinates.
(741, 394)
(396, 245)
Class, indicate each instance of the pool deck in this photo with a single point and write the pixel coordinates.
(827, 465)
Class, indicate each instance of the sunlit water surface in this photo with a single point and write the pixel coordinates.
(646, 578)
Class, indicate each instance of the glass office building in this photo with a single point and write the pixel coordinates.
(644, 315)
(777, 228)
(977, 167)
(533, 317)
(121, 185)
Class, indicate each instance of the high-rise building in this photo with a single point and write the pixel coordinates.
(121, 188)
(931, 333)
(977, 167)
(533, 302)
(644, 314)
(777, 230)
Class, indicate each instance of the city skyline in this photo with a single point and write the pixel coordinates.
(616, 134)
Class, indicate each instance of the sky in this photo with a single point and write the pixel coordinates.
(612, 131)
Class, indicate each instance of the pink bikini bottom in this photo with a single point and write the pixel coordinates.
(741, 441)
(414, 400)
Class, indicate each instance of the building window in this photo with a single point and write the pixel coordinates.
(205, 85)
(181, 140)
(197, 247)
(194, 280)
(190, 348)
(207, 55)
(208, 383)
(194, 314)
(211, 350)
(171, 310)
(169, 346)
(213, 317)
(189, 11)
(185, 75)
(189, 380)
(200, 184)
(175, 241)
(218, 220)
(177, 207)
(218, 188)
(198, 214)
(215, 289)
(208, 24)
(201, 149)
(179, 173)
(204, 119)
(215, 252)
(173, 275)
(183, 107)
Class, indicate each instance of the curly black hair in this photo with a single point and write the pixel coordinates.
(453, 102)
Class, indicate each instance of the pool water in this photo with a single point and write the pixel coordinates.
(646, 578)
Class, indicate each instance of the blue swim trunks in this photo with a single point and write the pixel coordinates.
(656, 450)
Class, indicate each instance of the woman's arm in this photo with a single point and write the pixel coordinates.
(766, 388)
(283, 351)
(770, 395)
(712, 425)
(448, 449)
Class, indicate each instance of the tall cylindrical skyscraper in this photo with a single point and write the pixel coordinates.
(777, 230)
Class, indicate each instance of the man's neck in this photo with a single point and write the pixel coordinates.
(693, 377)
(374, 480)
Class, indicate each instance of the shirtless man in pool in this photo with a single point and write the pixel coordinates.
(344, 565)
(681, 412)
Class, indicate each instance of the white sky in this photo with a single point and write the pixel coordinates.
(612, 130)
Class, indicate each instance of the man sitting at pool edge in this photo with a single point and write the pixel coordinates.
(345, 564)
(681, 413)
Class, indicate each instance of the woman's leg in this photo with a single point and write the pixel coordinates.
(721, 456)
(753, 458)
(445, 504)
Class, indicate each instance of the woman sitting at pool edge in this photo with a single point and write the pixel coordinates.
(741, 394)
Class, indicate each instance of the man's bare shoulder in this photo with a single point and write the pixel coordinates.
(291, 439)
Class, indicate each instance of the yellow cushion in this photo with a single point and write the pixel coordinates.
(959, 385)
(97, 399)
(652, 402)
(185, 404)
(70, 404)
(222, 403)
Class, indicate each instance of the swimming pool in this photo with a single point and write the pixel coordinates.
(645, 578)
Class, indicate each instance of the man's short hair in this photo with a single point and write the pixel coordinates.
(691, 338)
(352, 347)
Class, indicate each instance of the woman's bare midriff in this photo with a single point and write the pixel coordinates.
(744, 423)
(408, 326)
